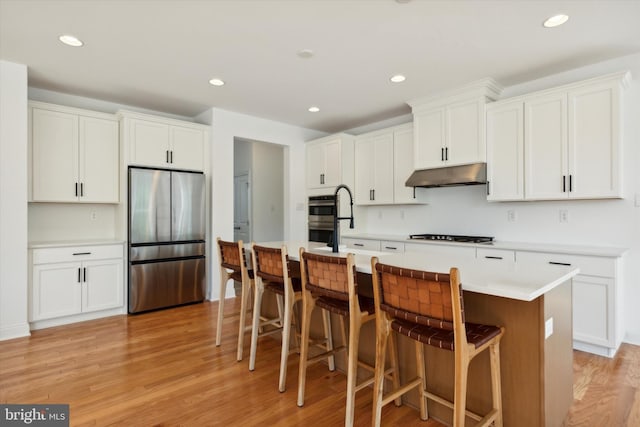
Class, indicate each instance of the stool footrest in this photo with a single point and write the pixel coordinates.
(393, 395)
(326, 354)
(449, 405)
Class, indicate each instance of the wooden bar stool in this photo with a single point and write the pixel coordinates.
(273, 273)
(233, 265)
(428, 308)
(329, 283)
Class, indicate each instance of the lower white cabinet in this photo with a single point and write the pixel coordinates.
(71, 280)
(597, 305)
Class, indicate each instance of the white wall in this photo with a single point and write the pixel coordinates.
(267, 197)
(226, 126)
(13, 201)
(464, 210)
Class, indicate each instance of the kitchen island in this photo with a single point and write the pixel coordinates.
(532, 302)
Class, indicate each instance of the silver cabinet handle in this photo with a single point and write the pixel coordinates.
(393, 248)
(358, 244)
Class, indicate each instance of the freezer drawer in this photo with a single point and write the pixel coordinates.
(160, 252)
(154, 285)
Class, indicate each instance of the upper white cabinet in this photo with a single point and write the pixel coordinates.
(158, 142)
(505, 151)
(450, 129)
(557, 144)
(74, 155)
(374, 169)
(329, 161)
(383, 162)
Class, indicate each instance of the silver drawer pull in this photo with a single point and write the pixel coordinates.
(82, 253)
(560, 263)
(391, 247)
(493, 257)
(358, 244)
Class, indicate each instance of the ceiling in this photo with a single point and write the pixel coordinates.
(160, 55)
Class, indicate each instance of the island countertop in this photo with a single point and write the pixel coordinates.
(516, 280)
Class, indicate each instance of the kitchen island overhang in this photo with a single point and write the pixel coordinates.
(533, 303)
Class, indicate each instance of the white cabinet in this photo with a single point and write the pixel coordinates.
(450, 129)
(562, 143)
(374, 179)
(356, 243)
(72, 280)
(391, 246)
(158, 142)
(74, 155)
(597, 305)
(330, 162)
(505, 151)
(383, 162)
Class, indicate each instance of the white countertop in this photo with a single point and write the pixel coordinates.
(508, 279)
(602, 251)
(67, 243)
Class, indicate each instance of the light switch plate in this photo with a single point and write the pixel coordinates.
(548, 328)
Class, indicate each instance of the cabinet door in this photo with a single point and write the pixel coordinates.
(315, 165)
(149, 143)
(545, 123)
(332, 164)
(56, 290)
(383, 169)
(505, 151)
(592, 310)
(465, 133)
(99, 160)
(103, 285)
(429, 138)
(594, 141)
(364, 171)
(55, 156)
(403, 166)
(187, 148)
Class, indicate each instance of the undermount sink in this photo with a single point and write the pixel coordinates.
(342, 249)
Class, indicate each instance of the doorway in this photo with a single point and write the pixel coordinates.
(241, 207)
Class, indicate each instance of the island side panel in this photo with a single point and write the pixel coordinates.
(558, 362)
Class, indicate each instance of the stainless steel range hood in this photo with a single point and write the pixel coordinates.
(449, 176)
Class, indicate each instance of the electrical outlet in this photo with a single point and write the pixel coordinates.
(401, 214)
(379, 214)
(637, 200)
(564, 215)
(94, 215)
(511, 215)
(548, 328)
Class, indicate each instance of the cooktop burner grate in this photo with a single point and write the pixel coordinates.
(452, 238)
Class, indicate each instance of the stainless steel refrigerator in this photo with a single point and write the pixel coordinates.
(166, 238)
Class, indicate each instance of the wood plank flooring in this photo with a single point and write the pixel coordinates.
(163, 369)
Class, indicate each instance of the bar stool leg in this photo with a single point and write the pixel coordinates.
(224, 277)
(343, 337)
(424, 413)
(496, 390)
(352, 371)
(308, 305)
(460, 389)
(378, 386)
(393, 364)
(286, 335)
(244, 305)
(257, 303)
(326, 322)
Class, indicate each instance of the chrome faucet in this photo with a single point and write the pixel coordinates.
(336, 218)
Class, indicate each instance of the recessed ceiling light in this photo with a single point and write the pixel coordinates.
(555, 21)
(305, 53)
(398, 78)
(314, 109)
(216, 82)
(70, 40)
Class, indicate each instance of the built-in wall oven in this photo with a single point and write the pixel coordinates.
(321, 213)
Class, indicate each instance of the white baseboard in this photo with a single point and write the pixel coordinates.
(49, 323)
(18, 330)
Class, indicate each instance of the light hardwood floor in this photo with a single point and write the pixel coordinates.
(163, 369)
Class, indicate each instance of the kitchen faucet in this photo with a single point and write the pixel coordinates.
(336, 218)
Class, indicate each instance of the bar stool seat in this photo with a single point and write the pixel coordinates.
(428, 308)
(233, 266)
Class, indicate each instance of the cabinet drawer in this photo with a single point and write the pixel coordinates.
(76, 253)
(392, 247)
(588, 265)
(370, 245)
(495, 254)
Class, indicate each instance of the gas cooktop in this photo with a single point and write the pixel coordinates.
(452, 238)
